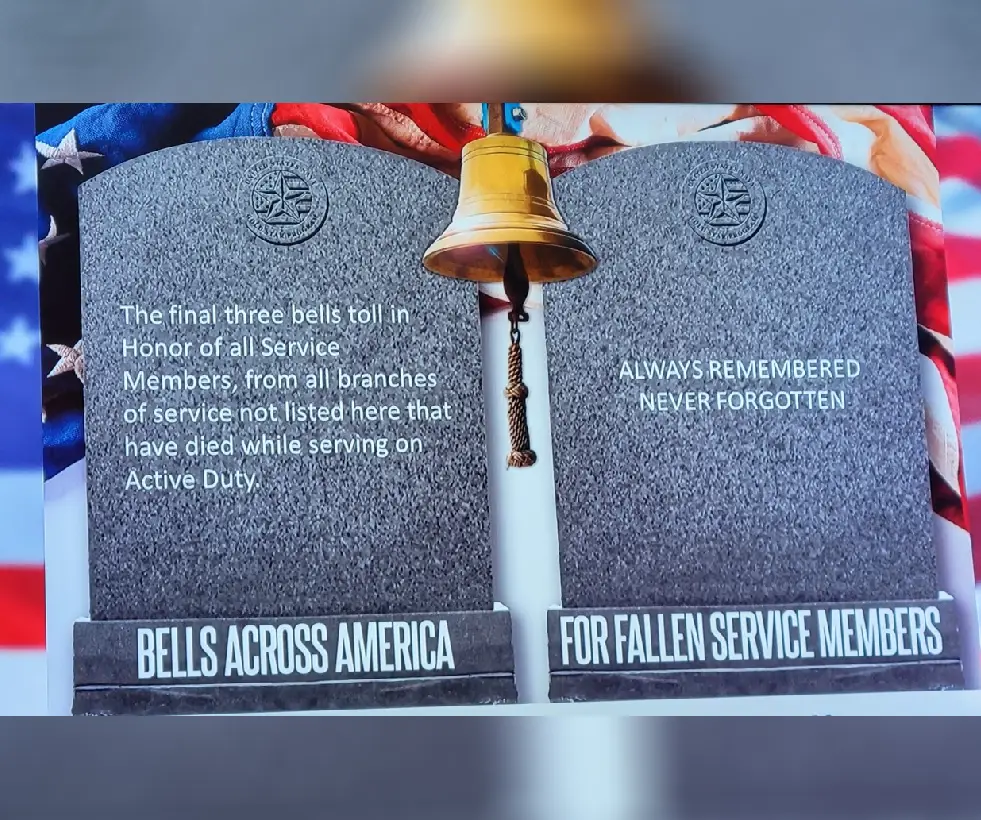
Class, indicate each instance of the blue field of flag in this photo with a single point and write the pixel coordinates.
(21, 537)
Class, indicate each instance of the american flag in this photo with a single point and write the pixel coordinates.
(959, 160)
(22, 680)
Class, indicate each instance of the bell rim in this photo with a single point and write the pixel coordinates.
(510, 235)
(504, 233)
(526, 224)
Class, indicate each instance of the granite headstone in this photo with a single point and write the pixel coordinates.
(283, 408)
(737, 417)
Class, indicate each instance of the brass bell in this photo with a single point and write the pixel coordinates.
(506, 202)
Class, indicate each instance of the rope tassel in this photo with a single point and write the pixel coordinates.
(521, 454)
(516, 392)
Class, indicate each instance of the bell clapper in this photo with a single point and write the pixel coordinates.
(516, 287)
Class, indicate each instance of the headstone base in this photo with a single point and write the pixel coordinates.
(644, 653)
(228, 666)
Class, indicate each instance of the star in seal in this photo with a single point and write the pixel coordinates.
(284, 199)
(723, 200)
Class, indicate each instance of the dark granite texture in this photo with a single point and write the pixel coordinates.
(927, 676)
(344, 534)
(712, 507)
(106, 652)
(476, 690)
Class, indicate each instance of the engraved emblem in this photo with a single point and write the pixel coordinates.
(723, 204)
(285, 202)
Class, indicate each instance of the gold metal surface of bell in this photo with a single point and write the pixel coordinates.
(506, 200)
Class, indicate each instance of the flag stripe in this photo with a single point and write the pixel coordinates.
(23, 683)
(974, 519)
(22, 606)
(963, 256)
(21, 486)
(959, 163)
(960, 159)
(971, 439)
(21, 508)
(956, 121)
(969, 389)
(963, 204)
(965, 315)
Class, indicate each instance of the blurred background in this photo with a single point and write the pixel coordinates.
(21, 513)
(656, 50)
(574, 50)
(958, 130)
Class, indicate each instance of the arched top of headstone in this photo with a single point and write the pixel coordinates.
(725, 193)
(281, 191)
(696, 152)
(355, 502)
(737, 414)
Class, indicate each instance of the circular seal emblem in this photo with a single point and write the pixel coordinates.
(285, 202)
(723, 204)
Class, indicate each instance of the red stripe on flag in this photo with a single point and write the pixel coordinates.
(968, 370)
(800, 121)
(440, 124)
(22, 607)
(917, 121)
(963, 257)
(326, 121)
(960, 158)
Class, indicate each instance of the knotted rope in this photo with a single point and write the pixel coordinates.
(516, 392)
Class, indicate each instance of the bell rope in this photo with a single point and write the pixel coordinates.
(516, 392)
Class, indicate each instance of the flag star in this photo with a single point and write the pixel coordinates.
(71, 360)
(22, 261)
(24, 169)
(65, 153)
(19, 342)
(52, 238)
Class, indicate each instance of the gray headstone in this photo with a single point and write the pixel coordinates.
(389, 514)
(719, 258)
